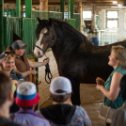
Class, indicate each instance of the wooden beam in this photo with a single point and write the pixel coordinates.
(57, 2)
(43, 5)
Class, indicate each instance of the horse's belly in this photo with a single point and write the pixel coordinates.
(86, 74)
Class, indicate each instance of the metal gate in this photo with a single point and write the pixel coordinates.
(25, 27)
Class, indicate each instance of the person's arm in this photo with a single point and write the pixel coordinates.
(114, 87)
(14, 85)
(25, 74)
(38, 64)
(100, 81)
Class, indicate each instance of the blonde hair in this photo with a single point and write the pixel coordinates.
(9, 56)
(120, 52)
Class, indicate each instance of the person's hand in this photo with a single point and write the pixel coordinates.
(98, 86)
(14, 85)
(45, 61)
(34, 72)
(15, 82)
(99, 81)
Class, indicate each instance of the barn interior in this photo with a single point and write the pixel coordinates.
(105, 17)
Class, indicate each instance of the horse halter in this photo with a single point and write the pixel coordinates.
(40, 48)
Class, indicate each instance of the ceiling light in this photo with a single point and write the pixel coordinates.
(114, 2)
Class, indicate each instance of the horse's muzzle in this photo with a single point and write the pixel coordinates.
(38, 53)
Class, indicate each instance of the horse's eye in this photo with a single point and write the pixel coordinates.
(46, 33)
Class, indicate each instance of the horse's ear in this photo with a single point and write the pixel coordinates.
(39, 20)
(15, 37)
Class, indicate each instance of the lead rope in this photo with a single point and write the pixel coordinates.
(48, 73)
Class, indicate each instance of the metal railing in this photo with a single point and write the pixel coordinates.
(108, 36)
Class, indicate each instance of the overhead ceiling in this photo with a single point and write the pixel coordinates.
(99, 2)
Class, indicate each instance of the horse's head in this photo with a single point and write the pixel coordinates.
(58, 35)
(45, 37)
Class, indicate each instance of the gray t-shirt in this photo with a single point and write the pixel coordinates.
(80, 118)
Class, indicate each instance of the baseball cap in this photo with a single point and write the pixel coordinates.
(18, 44)
(60, 83)
(27, 95)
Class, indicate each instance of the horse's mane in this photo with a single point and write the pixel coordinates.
(73, 36)
(67, 28)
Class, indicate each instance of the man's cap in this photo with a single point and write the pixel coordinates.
(60, 84)
(27, 95)
(18, 44)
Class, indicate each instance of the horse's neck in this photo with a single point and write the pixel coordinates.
(66, 49)
(56, 55)
(58, 51)
(69, 39)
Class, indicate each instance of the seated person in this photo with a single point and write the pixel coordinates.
(19, 48)
(62, 112)
(8, 66)
(6, 100)
(2, 57)
(27, 98)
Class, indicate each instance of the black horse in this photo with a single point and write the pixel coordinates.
(77, 59)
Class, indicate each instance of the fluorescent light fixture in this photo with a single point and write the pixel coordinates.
(114, 2)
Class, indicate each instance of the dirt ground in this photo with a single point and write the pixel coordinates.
(90, 97)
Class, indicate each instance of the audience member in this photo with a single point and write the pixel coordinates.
(26, 98)
(22, 64)
(2, 57)
(62, 112)
(94, 39)
(111, 87)
(8, 66)
(6, 99)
